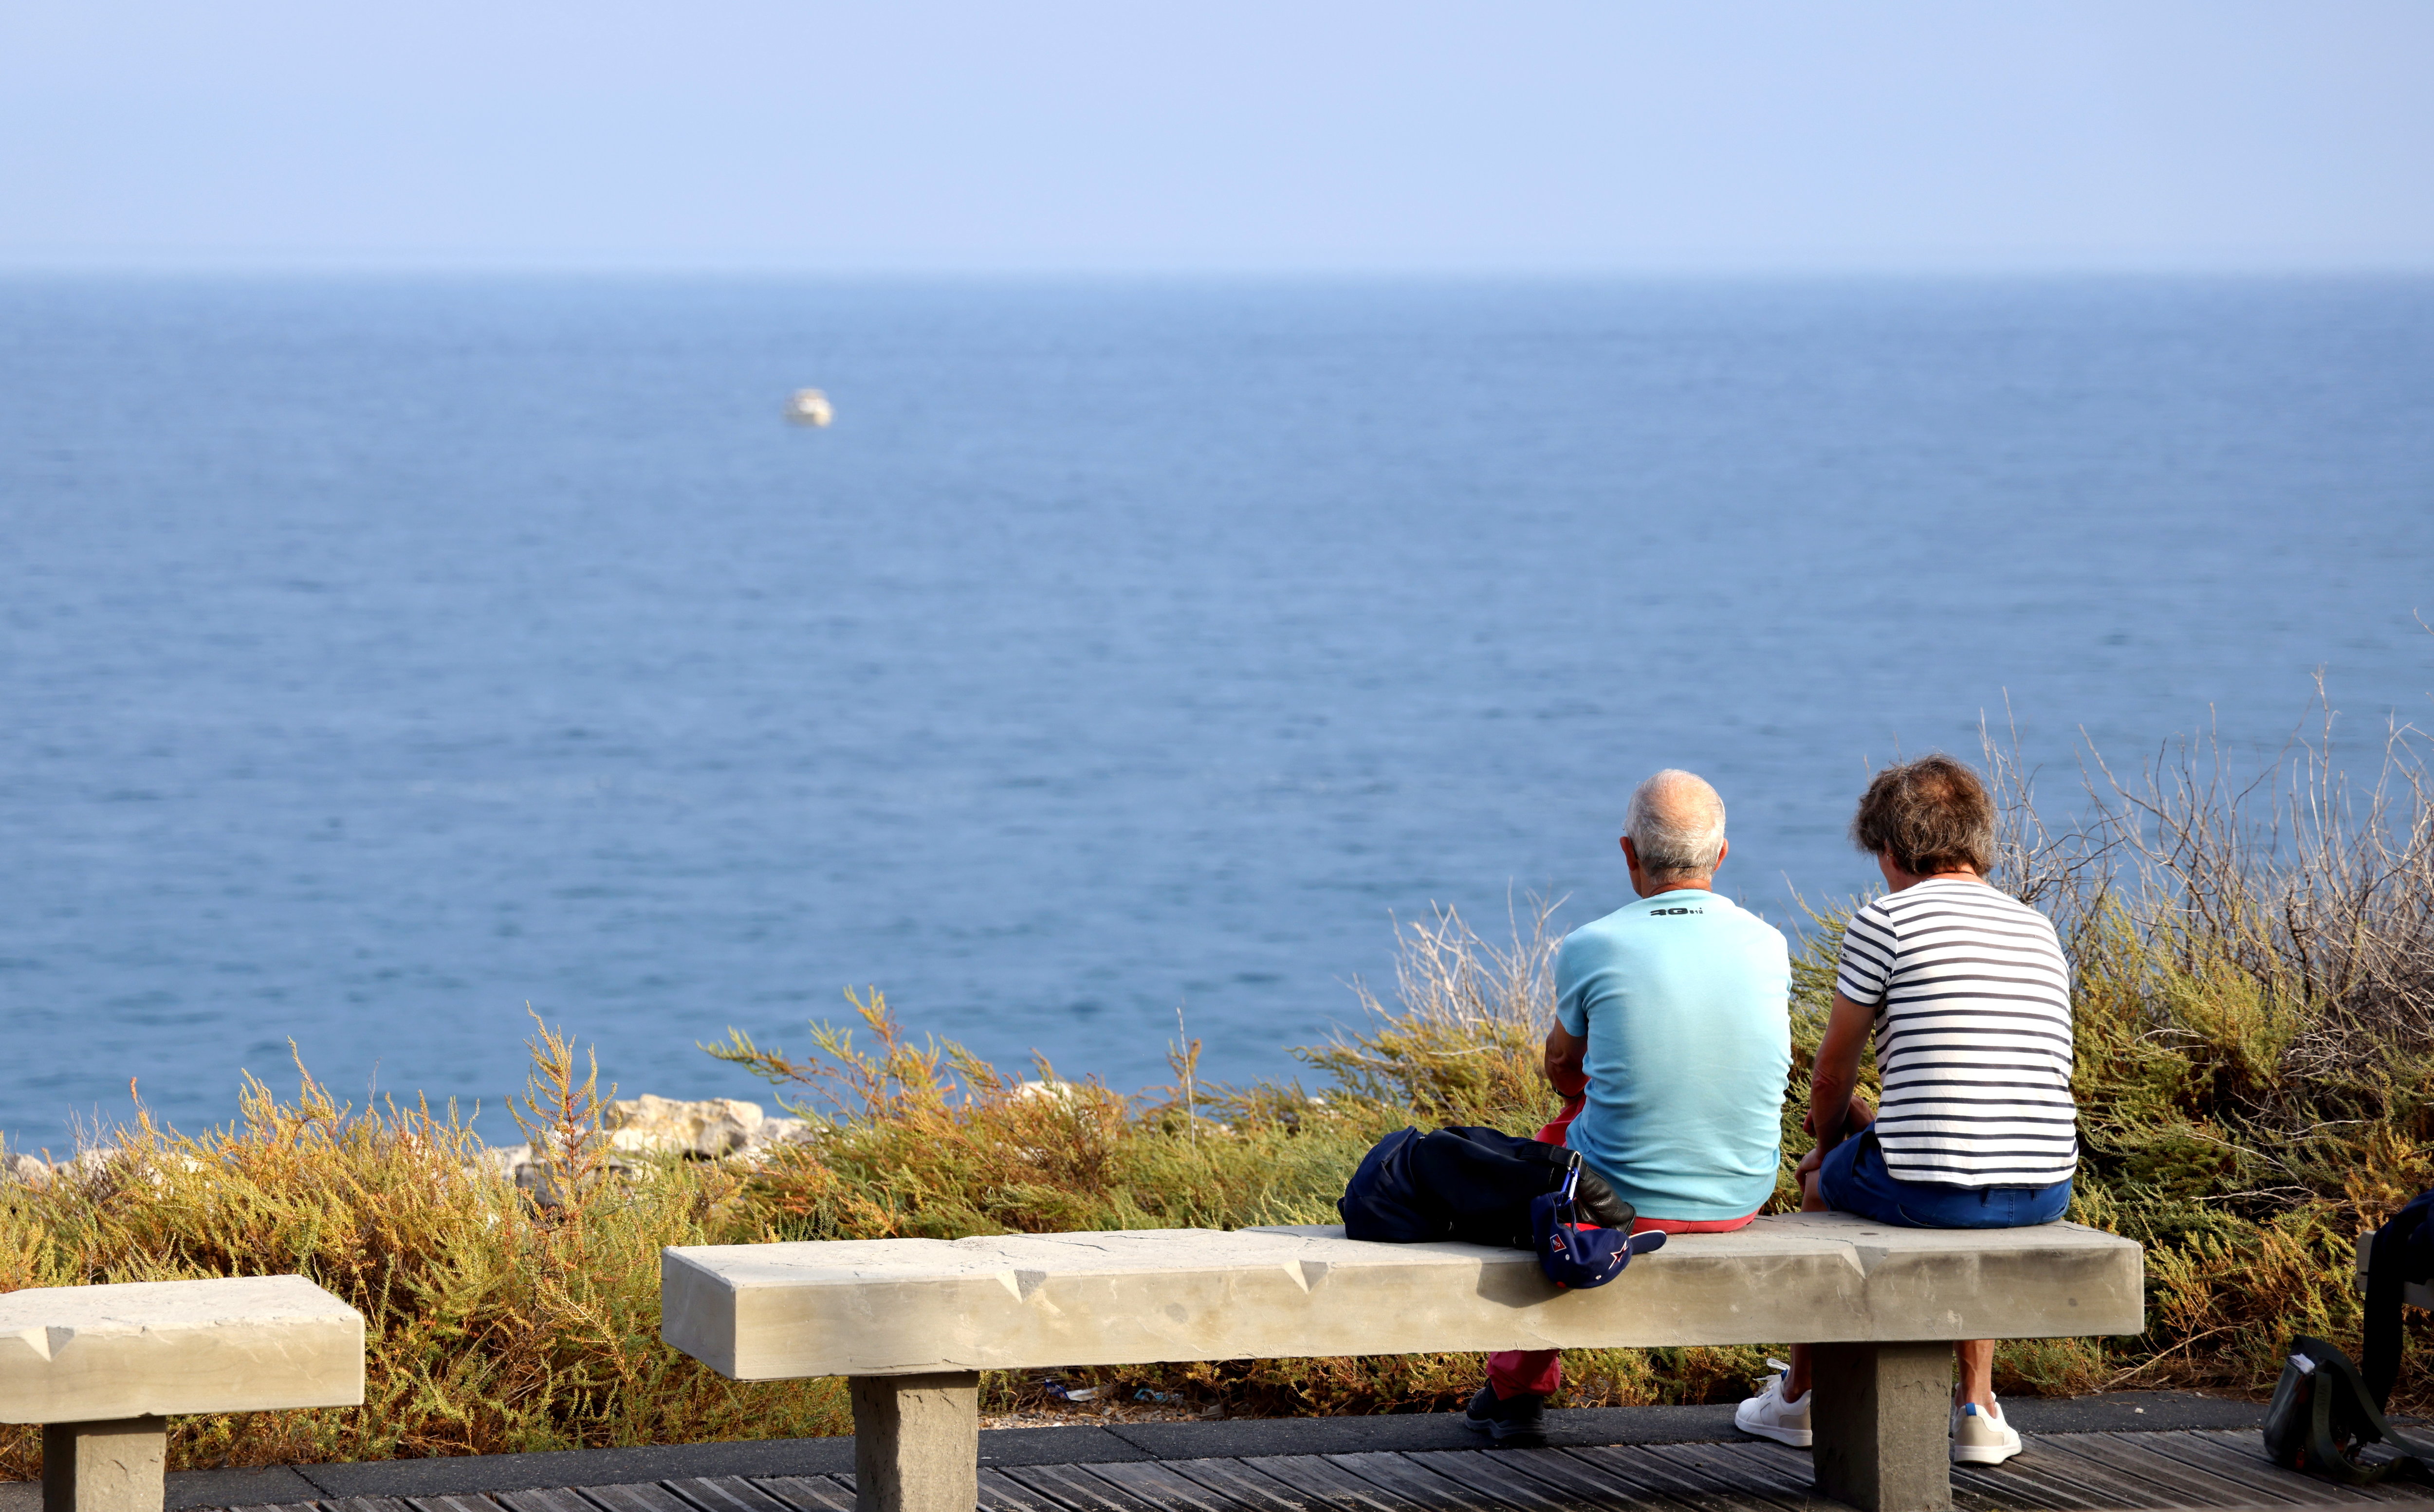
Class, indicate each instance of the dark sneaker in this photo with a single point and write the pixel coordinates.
(1517, 1423)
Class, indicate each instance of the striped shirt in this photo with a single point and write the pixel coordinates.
(1973, 1034)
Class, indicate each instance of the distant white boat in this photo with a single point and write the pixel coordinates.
(810, 407)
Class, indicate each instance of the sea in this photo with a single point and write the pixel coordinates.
(389, 665)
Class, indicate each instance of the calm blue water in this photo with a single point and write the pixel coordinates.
(378, 658)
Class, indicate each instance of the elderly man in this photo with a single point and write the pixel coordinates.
(1674, 1027)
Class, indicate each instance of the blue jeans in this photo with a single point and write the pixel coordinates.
(1852, 1178)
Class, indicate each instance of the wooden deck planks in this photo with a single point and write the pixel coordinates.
(1161, 1486)
(638, 1496)
(368, 1503)
(810, 1493)
(1327, 1482)
(1075, 1487)
(1000, 1494)
(2063, 1481)
(1411, 1481)
(726, 1493)
(474, 1503)
(2172, 1483)
(2240, 1458)
(1796, 1466)
(1712, 1465)
(2123, 1472)
(1519, 1477)
(1729, 1467)
(1241, 1481)
(566, 1500)
(1658, 1480)
(546, 1500)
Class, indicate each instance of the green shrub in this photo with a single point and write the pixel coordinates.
(2254, 1000)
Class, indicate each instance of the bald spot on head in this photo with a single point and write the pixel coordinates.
(1676, 824)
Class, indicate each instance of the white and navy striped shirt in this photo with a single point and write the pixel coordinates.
(1973, 1034)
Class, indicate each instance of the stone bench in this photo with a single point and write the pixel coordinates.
(103, 1369)
(912, 1322)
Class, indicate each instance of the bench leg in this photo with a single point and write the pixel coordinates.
(1882, 1414)
(105, 1467)
(916, 1442)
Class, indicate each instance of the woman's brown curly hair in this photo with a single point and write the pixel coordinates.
(1932, 814)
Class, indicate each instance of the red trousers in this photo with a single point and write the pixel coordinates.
(1539, 1372)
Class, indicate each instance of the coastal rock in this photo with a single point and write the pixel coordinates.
(507, 1160)
(706, 1130)
(715, 1129)
(539, 1177)
(771, 1132)
(29, 1170)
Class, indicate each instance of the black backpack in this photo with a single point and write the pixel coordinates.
(2322, 1413)
(1468, 1183)
(2399, 1253)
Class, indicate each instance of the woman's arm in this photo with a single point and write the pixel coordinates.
(1834, 1106)
(1832, 1111)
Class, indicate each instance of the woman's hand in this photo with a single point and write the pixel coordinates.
(1857, 1116)
(1805, 1177)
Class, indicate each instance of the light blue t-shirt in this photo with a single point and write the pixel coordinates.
(1685, 1001)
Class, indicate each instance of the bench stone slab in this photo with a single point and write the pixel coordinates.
(89, 1354)
(922, 1306)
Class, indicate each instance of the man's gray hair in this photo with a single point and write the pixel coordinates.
(1677, 822)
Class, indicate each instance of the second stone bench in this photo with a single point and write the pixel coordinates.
(104, 1368)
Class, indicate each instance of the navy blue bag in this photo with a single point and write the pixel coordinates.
(2401, 1251)
(1467, 1183)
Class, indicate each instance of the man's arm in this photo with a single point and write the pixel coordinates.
(1564, 1072)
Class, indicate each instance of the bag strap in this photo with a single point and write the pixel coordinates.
(1568, 1201)
(2379, 1363)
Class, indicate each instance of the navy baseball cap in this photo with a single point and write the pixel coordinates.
(1578, 1255)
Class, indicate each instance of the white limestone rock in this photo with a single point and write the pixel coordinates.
(774, 1131)
(636, 1128)
(507, 1161)
(707, 1129)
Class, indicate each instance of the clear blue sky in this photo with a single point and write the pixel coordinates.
(1253, 136)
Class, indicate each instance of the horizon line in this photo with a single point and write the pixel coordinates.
(1274, 274)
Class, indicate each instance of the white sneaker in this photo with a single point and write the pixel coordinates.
(1767, 1416)
(1981, 1438)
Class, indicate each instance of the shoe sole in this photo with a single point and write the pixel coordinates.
(1985, 1454)
(1796, 1438)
